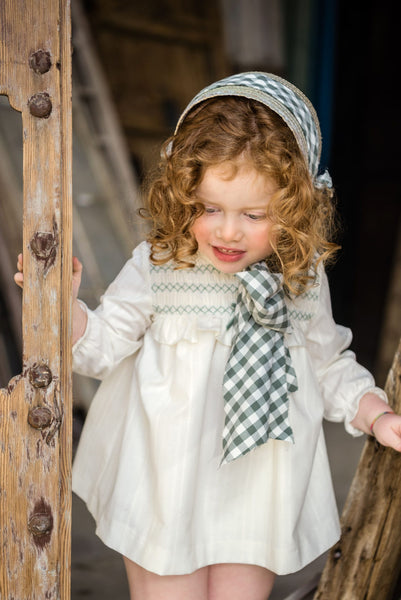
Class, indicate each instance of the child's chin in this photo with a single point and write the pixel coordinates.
(227, 267)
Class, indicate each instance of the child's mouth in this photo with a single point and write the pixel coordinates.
(228, 254)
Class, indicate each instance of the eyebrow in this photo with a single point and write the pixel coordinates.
(247, 208)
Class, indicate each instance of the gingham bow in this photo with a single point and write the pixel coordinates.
(259, 374)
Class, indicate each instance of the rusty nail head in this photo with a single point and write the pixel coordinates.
(40, 61)
(40, 105)
(40, 417)
(40, 376)
(42, 244)
(40, 524)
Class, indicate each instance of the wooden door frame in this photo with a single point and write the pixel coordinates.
(36, 408)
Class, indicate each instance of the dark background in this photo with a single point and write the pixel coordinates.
(365, 165)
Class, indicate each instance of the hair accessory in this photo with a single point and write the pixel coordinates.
(323, 180)
(386, 412)
(283, 98)
(259, 374)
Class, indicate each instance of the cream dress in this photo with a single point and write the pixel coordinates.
(148, 462)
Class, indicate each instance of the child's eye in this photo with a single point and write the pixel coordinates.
(210, 209)
(255, 217)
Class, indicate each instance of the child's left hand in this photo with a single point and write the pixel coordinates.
(387, 430)
(375, 417)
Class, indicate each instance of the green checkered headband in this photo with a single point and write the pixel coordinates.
(284, 99)
(259, 377)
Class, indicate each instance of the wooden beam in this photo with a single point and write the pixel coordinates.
(365, 563)
(35, 409)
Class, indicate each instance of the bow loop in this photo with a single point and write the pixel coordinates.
(262, 297)
(323, 180)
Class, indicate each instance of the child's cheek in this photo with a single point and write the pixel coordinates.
(262, 239)
(200, 229)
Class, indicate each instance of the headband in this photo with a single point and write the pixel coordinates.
(283, 98)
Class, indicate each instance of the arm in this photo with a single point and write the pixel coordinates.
(116, 328)
(104, 337)
(348, 389)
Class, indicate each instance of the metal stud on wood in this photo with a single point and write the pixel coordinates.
(36, 407)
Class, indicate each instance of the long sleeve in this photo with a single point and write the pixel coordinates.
(116, 328)
(342, 380)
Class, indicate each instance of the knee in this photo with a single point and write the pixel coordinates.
(238, 581)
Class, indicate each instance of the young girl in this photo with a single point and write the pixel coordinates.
(202, 458)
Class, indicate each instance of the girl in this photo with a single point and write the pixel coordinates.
(202, 458)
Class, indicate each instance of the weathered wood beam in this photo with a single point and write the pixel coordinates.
(35, 409)
(365, 563)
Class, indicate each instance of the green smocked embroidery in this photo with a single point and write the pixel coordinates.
(194, 287)
(299, 315)
(201, 268)
(190, 309)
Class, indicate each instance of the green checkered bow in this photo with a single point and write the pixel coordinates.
(259, 374)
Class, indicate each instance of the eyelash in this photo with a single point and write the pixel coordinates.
(253, 217)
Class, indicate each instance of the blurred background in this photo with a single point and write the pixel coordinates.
(135, 66)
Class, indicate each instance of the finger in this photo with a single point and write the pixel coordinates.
(394, 441)
(19, 262)
(76, 265)
(389, 432)
(19, 279)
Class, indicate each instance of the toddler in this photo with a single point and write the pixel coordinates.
(202, 458)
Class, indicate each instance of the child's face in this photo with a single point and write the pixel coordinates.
(234, 231)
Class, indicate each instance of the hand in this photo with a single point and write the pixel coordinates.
(19, 277)
(76, 275)
(79, 314)
(387, 431)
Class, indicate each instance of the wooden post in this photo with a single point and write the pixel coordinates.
(365, 563)
(35, 410)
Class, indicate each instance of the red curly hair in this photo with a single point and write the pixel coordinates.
(233, 130)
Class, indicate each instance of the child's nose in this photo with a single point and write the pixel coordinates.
(229, 230)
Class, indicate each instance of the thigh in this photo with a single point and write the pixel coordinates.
(145, 585)
(236, 582)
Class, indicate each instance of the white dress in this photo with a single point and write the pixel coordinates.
(148, 462)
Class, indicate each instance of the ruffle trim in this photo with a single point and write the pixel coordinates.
(171, 329)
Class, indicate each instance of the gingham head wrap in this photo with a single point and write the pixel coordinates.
(284, 99)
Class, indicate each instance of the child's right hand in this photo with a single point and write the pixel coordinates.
(76, 275)
(79, 314)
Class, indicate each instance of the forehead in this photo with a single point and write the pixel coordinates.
(233, 177)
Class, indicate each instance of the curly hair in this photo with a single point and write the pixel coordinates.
(234, 130)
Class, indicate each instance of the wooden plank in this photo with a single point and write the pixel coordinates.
(35, 409)
(364, 565)
(391, 329)
(106, 129)
(176, 48)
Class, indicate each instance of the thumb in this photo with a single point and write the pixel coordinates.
(76, 276)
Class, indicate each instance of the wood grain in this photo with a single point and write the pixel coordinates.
(364, 565)
(35, 495)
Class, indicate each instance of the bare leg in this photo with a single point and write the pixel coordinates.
(145, 585)
(237, 582)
